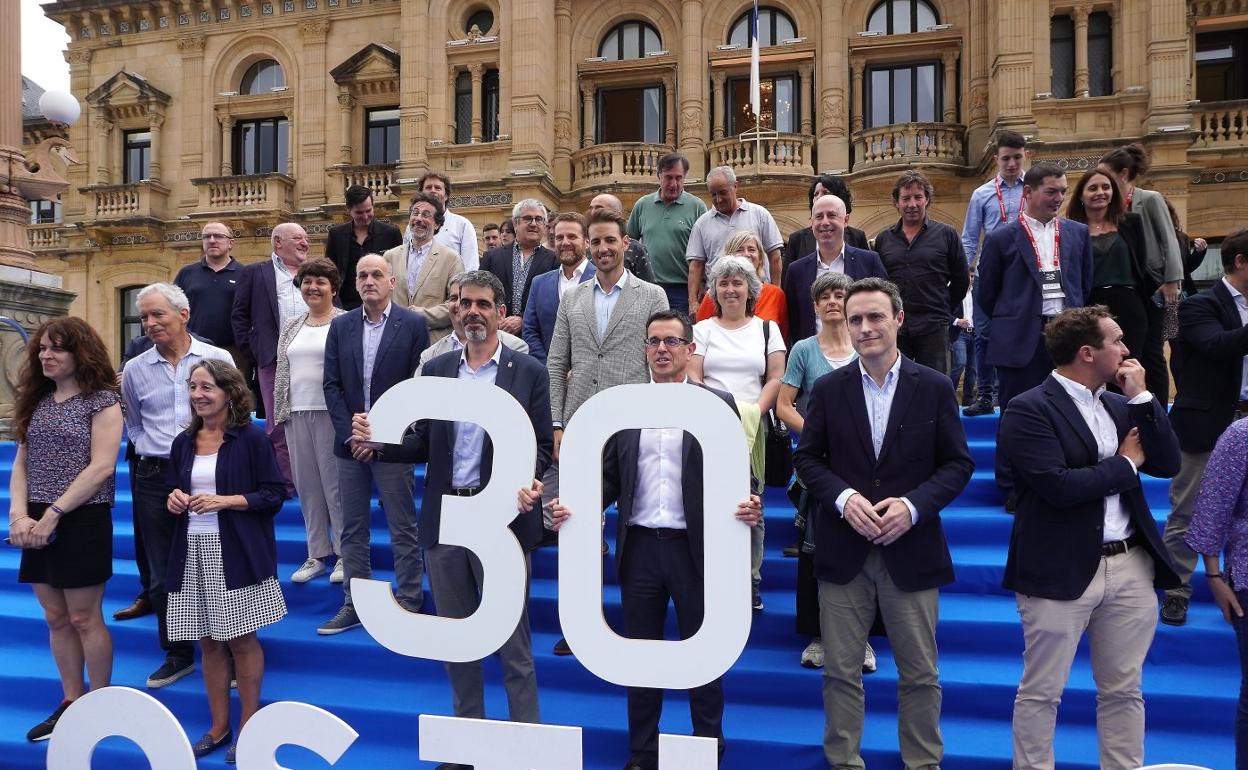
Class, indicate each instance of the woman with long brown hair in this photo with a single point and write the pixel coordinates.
(67, 421)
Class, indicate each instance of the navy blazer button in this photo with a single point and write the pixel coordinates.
(876, 482)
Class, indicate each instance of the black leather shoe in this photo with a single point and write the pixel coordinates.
(1174, 611)
(980, 407)
(140, 607)
(561, 647)
(453, 766)
(206, 745)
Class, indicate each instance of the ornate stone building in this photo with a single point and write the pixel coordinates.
(259, 111)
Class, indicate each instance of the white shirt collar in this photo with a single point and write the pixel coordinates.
(385, 313)
(819, 254)
(1077, 390)
(1235, 293)
(496, 358)
(890, 376)
(577, 271)
(1037, 224)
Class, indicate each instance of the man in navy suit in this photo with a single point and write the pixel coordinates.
(460, 457)
(1085, 553)
(828, 221)
(1211, 391)
(658, 552)
(368, 351)
(883, 451)
(572, 250)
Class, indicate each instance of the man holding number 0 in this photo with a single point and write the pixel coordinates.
(460, 459)
(655, 477)
(883, 452)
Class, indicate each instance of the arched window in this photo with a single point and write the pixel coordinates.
(774, 26)
(630, 40)
(898, 17)
(482, 19)
(262, 77)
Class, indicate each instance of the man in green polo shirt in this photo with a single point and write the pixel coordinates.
(662, 220)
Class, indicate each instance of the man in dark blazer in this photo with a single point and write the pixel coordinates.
(883, 452)
(364, 234)
(1085, 553)
(368, 351)
(460, 457)
(264, 302)
(832, 252)
(572, 249)
(659, 551)
(1211, 390)
(527, 252)
(802, 242)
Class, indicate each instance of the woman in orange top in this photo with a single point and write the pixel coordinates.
(772, 304)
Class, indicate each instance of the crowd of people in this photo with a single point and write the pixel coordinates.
(1052, 306)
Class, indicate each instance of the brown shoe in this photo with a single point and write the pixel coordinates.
(141, 606)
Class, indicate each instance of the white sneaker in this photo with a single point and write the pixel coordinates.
(310, 569)
(812, 656)
(336, 575)
(868, 660)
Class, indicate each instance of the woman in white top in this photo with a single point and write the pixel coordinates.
(299, 404)
(736, 353)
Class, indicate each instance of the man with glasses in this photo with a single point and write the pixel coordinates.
(422, 268)
(525, 259)
(209, 285)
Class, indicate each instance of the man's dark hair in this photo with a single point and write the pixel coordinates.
(1036, 175)
(483, 278)
(864, 285)
(671, 159)
(1235, 244)
(607, 216)
(1073, 328)
(439, 212)
(446, 181)
(357, 194)
(672, 315)
(1011, 139)
(908, 178)
(832, 185)
(488, 226)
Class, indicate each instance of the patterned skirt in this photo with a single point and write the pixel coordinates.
(205, 607)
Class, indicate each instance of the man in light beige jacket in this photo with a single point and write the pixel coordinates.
(423, 267)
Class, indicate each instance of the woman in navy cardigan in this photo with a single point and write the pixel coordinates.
(223, 562)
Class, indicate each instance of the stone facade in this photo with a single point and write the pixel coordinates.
(175, 69)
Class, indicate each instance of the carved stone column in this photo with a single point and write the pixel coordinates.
(833, 79)
(1012, 75)
(103, 147)
(587, 104)
(692, 75)
(227, 154)
(564, 95)
(856, 121)
(346, 109)
(950, 61)
(154, 122)
(1080, 15)
(717, 104)
(308, 143)
(73, 203)
(669, 109)
(805, 73)
(416, 36)
(1168, 62)
(196, 120)
(476, 71)
(291, 133)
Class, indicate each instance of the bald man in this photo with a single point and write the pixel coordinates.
(266, 300)
(635, 259)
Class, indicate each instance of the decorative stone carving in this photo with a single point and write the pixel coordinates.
(691, 122)
(191, 46)
(979, 102)
(78, 56)
(832, 121)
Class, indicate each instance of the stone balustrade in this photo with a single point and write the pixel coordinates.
(622, 162)
(47, 236)
(1221, 124)
(250, 191)
(781, 154)
(140, 200)
(377, 177)
(910, 143)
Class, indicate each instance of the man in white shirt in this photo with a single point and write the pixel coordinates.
(457, 232)
(1085, 553)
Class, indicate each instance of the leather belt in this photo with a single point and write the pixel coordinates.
(662, 533)
(464, 491)
(1115, 547)
(151, 459)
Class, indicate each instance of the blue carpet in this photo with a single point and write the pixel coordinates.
(774, 716)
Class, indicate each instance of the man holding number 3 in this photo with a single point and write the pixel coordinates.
(655, 477)
(460, 458)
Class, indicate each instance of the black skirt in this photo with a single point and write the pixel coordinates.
(81, 555)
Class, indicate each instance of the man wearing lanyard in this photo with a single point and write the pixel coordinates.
(994, 203)
(1030, 270)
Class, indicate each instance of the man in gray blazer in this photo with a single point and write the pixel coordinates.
(423, 266)
(600, 325)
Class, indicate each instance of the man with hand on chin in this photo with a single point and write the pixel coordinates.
(884, 452)
(656, 476)
(1085, 553)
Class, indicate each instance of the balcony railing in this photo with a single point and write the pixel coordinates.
(141, 200)
(619, 162)
(783, 154)
(1221, 124)
(910, 143)
(252, 191)
(377, 177)
(43, 237)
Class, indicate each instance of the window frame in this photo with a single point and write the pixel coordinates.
(144, 151)
(643, 87)
(385, 124)
(280, 157)
(730, 127)
(490, 90)
(771, 13)
(938, 95)
(1066, 88)
(1237, 40)
(1101, 83)
(253, 73)
(41, 208)
(124, 319)
(642, 27)
(889, 23)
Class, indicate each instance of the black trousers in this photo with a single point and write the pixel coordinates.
(658, 566)
(929, 348)
(151, 492)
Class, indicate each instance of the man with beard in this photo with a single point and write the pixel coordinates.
(636, 260)
(456, 339)
(455, 232)
(364, 234)
(571, 246)
(422, 268)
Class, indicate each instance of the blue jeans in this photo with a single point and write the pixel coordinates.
(962, 350)
(1241, 716)
(985, 373)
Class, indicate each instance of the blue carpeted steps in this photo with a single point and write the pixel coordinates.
(774, 716)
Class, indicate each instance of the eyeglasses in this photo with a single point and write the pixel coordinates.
(532, 219)
(424, 214)
(671, 342)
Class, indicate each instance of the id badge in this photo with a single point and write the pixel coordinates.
(1051, 284)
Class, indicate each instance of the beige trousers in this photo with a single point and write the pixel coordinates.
(1119, 612)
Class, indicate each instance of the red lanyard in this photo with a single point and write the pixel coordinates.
(996, 181)
(1130, 195)
(1057, 242)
